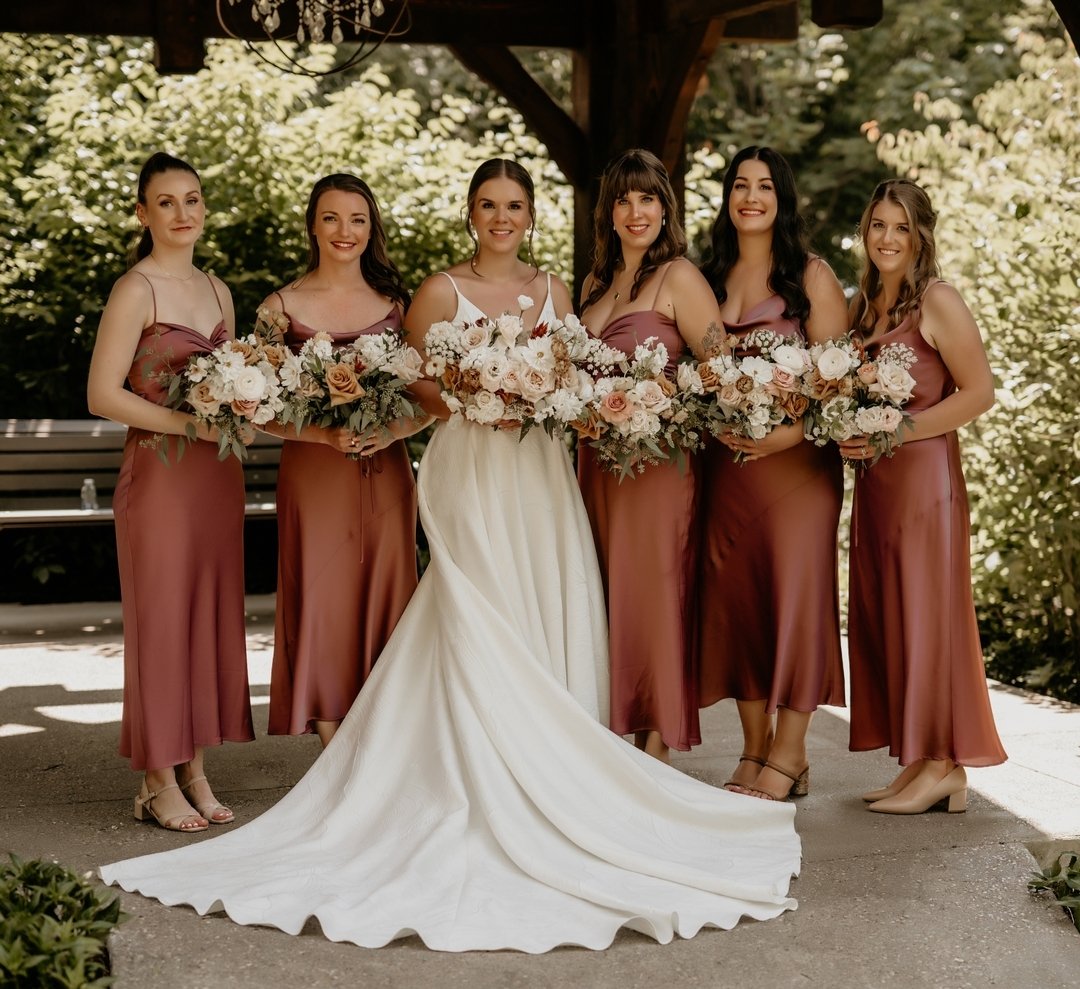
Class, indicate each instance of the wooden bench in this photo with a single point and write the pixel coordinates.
(43, 463)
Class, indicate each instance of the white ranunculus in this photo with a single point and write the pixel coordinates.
(249, 385)
(834, 363)
(795, 359)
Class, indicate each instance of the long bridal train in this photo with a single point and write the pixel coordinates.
(471, 796)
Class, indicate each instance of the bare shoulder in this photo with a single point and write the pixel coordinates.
(131, 287)
(683, 272)
(818, 273)
(942, 299)
(436, 288)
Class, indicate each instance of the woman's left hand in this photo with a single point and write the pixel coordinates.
(857, 448)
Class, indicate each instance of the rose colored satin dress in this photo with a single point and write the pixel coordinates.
(646, 540)
(918, 684)
(768, 600)
(346, 567)
(180, 547)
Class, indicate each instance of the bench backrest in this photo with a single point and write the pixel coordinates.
(44, 462)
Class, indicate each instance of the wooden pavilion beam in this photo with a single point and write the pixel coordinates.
(779, 23)
(500, 68)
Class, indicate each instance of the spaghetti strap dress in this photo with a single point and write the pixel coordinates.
(769, 602)
(180, 547)
(645, 530)
(346, 566)
(473, 795)
(918, 684)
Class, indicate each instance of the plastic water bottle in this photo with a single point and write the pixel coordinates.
(88, 495)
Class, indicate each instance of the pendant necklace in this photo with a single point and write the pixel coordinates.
(168, 274)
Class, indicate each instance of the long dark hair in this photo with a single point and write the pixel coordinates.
(378, 270)
(922, 219)
(158, 163)
(790, 241)
(501, 168)
(636, 170)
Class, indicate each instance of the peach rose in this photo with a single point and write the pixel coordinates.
(590, 426)
(615, 407)
(784, 379)
(275, 355)
(342, 384)
(795, 405)
(251, 355)
(867, 373)
(243, 408)
(710, 380)
(202, 400)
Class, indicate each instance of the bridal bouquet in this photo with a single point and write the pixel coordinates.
(358, 386)
(755, 383)
(233, 387)
(494, 370)
(639, 417)
(853, 396)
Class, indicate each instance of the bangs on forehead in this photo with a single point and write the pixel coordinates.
(636, 177)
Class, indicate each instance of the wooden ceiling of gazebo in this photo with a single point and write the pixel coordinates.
(637, 63)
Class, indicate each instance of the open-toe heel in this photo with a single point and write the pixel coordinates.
(214, 812)
(733, 784)
(800, 783)
(144, 810)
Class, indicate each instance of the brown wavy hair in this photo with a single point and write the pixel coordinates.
(915, 203)
(378, 270)
(636, 170)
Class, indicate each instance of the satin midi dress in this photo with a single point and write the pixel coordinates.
(769, 626)
(346, 566)
(918, 684)
(180, 548)
(645, 533)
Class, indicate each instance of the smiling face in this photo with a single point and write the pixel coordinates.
(174, 210)
(890, 243)
(341, 226)
(637, 217)
(752, 201)
(500, 215)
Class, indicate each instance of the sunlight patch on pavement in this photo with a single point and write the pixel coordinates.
(7, 731)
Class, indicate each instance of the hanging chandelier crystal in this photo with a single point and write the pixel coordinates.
(319, 21)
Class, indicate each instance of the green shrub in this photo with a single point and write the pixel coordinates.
(1062, 880)
(53, 927)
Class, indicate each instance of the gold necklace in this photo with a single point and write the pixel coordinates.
(168, 274)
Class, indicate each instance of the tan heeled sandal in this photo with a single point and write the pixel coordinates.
(733, 784)
(800, 783)
(144, 810)
(210, 807)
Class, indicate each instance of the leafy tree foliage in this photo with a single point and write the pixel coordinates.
(1006, 186)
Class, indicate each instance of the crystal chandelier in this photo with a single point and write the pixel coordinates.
(320, 21)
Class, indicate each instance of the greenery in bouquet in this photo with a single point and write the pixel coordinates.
(753, 384)
(852, 395)
(234, 387)
(495, 370)
(360, 386)
(639, 417)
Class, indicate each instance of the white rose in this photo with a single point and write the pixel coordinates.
(492, 369)
(486, 408)
(795, 359)
(535, 383)
(893, 383)
(475, 335)
(688, 379)
(508, 328)
(870, 420)
(643, 423)
(405, 364)
(652, 396)
(834, 363)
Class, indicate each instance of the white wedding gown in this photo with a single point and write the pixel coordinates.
(473, 795)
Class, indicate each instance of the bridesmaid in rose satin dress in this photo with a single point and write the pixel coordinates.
(642, 286)
(346, 504)
(918, 684)
(179, 525)
(769, 614)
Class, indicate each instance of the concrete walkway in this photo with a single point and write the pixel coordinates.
(936, 900)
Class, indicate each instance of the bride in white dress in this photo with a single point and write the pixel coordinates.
(473, 795)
